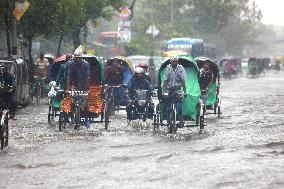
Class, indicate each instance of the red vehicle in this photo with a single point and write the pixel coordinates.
(107, 44)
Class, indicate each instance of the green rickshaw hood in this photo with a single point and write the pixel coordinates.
(190, 102)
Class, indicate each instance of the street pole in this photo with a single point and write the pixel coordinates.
(13, 30)
(172, 14)
(151, 65)
(152, 34)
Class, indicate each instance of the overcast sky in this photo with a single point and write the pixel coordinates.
(272, 10)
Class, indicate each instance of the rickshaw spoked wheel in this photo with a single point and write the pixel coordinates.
(61, 121)
(51, 114)
(172, 122)
(107, 115)
(77, 118)
(155, 122)
(4, 133)
(201, 122)
(219, 111)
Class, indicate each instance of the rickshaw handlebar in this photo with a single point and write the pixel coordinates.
(74, 93)
(115, 86)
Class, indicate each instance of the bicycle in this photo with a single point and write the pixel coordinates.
(76, 109)
(110, 103)
(37, 88)
(173, 96)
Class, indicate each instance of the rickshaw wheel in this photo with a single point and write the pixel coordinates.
(155, 122)
(77, 118)
(172, 123)
(61, 120)
(219, 111)
(103, 113)
(107, 115)
(4, 133)
(50, 114)
(197, 118)
(201, 119)
(201, 122)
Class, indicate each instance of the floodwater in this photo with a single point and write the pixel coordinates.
(243, 149)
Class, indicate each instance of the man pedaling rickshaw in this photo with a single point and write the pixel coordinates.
(206, 78)
(78, 79)
(174, 81)
(138, 82)
(41, 65)
(114, 77)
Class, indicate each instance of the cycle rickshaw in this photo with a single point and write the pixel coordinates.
(213, 100)
(253, 67)
(96, 103)
(192, 108)
(228, 67)
(116, 92)
(54, 101)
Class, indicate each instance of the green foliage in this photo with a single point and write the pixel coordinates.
(231, 25)
(38, 19)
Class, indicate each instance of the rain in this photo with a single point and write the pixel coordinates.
(141, 94)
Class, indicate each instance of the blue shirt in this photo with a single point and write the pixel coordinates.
(79, 74)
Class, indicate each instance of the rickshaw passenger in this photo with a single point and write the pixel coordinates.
(61, 77)
(138, 81)
(206, 77)
(49, 71)
(7, 82)
(145, 67)
(114, 77)
(78, 79)
(174, 80)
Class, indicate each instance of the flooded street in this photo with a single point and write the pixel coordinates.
(243, 149)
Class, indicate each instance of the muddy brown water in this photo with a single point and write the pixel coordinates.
(243, 149)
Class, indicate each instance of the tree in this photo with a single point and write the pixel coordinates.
(80, 12)
(37, 21)
(6, 8)
(232, 25)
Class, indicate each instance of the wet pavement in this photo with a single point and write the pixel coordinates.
(243, 149)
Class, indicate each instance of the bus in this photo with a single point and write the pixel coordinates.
(193, 47)
(107, 44)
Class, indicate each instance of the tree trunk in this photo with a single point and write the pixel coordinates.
(76, 38)
(59, 44)
(8, 36)
(30, 63)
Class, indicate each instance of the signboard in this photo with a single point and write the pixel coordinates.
(125, 13)
(125, 36)
(152, 30)
(182, 47)
(20, 9)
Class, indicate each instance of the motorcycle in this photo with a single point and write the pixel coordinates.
(141, 105)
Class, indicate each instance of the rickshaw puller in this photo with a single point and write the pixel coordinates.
(78, 79)
(41, 69)
(206, 77)
(175, 80)
(138, 81)
(114, 77)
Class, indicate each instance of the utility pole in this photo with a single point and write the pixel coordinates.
(151, 64)
(13, 30)
(172, 14)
